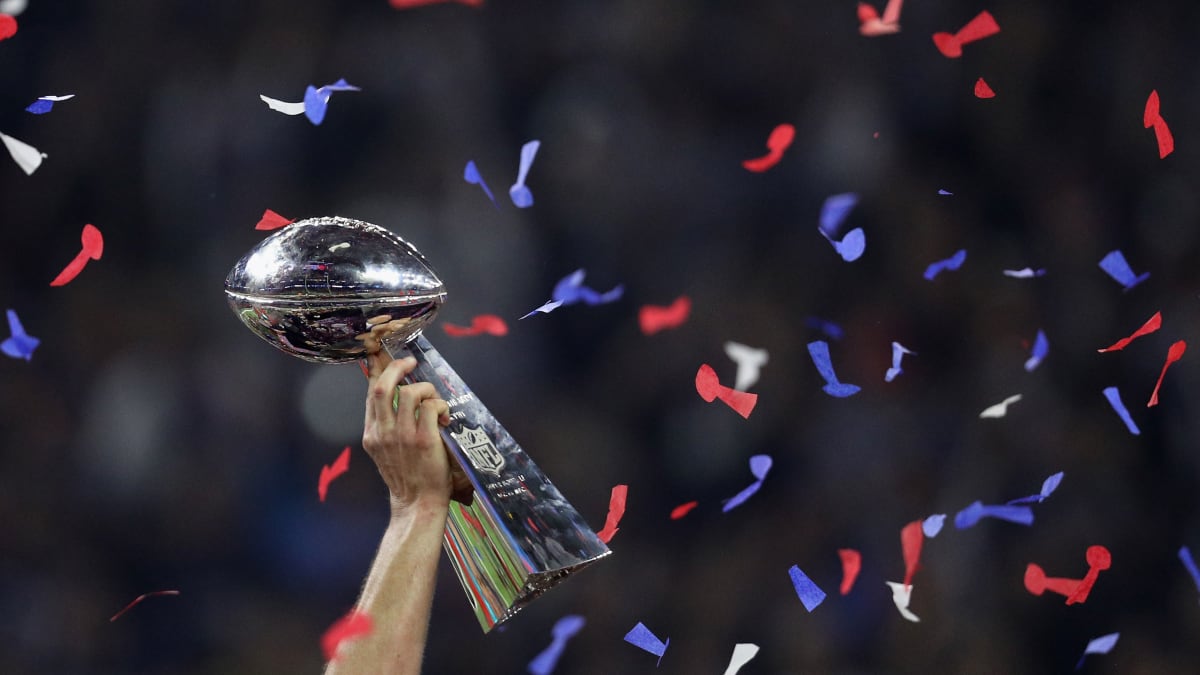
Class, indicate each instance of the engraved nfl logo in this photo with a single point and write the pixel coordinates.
(479, 449)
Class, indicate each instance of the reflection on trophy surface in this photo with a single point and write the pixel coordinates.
(330, 289)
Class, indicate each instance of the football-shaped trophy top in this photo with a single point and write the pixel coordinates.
(316, 287)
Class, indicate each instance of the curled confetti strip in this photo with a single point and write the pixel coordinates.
(93, 248)
(952, 263)
(1075, 590)
(1041, 347)
(682, 510)
(1114, 399)
(873, 25)
(742, 654)
(759, 466)
(26, 156)
(982, 26)
(45, 104)
(331, 471)
(749, 362)
(898, 352)
(616, 509)
(1151, 325)
(710, 389)
(1100, 645)
(932, 525)
(471, 175)
(1025, 273)
(912, 537)
(1174, 353)
(653, 318)
(1048, 487)
(970, 516)
(834, 211)
(564, 629)
(983, 90)
(138, 600)
(20, 345)
(902, 596)
(641, 637)
(810, 595)
(354, 625)
(520, 194)
(819, 351)
(1115, 265)
(1152, 117)
(272, 221)
(484, 323)
(1000, 409)
(777, 142)
(851, 247)
(1185, 556)
(851, 566)
(316, 99)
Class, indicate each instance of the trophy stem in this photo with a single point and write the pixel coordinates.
(519, 536)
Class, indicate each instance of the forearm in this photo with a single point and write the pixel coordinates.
(398, 594)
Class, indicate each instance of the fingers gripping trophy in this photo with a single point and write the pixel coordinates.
(325, 290)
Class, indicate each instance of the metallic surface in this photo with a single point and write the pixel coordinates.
(314, 289)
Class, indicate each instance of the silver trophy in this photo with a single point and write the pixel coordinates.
(315, 289)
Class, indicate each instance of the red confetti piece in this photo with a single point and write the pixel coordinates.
(983, 90)
(711, 388)
(8, 26)
(1076, 590)
(484, 323)
(1173, 354)
(1147, 328)
(682, 510)
(872, 25)
(616, 509)
(354, 624)
(1162, 133)
(1098, 558)
(653, 318)
(911, 539)
(781, 137)
(273, 221)
(139, 598)
(950, 45)
(331, 471)
(93, 246)
(851, 565)
(409, 4)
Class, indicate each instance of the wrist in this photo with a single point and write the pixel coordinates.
(421, 508)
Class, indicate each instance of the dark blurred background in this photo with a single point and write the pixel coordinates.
(154, 443)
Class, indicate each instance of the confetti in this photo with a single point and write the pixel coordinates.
(950, 45)
(834, 212)
(912, 537)
(13, 7)
(653, 318)
(26, 156)
(616, 509)
(1174, 353)
(1000, 409)
(1185, 556)
(550, 306)
(355, 624)
(945, 193)
(8, 26)
(570, 290)
(932, 525)
(1041, 347)
(1076, 591)
(982, 90)
(710, 388)
(851, 247)
(519, 194)
(829, 328)
(873, 25)
(777, 142)
(1100, 645)
(331, 471)
(1162, 133)
(1037, 583)
(1048, 487)
(1098, 559)
(810, 596)
(851, 566)
(902, 596)
(93, 247)
(484, 323)
(21, 344)
(285, 107)
(968, 517)
(1025, 273)
(45, 104)
(1114, 399)
(1114, 263)
(471, 175)
(742, 654)
(898, 352)
(316, 99)
(564, 629)
(409, 4)
(272, 221)
(641, 637)
(759, 466)
(952, 263)
(138, 600)
(749, 362)
(819, 350)
(1151, 325)
(682, 510)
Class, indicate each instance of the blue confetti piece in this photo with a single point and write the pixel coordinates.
(519, 193)
(471, 175)
(1185, 556)
(316, 100)
(1048, 487)
(898, 352)
(641, 637)
(1114, 399)
(40, 106)
(1100, 645)
(21, 344)
(1115, 265)
(759, 466)
(952, 263)
(810, 595)
(945, 193)
(1041, 347)
(834, 211)
(570, 290)
(932, 525)
(564, 629)
(970, 516)
(544, 309)
(819, 350)
(829, 328)
(851, 247)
